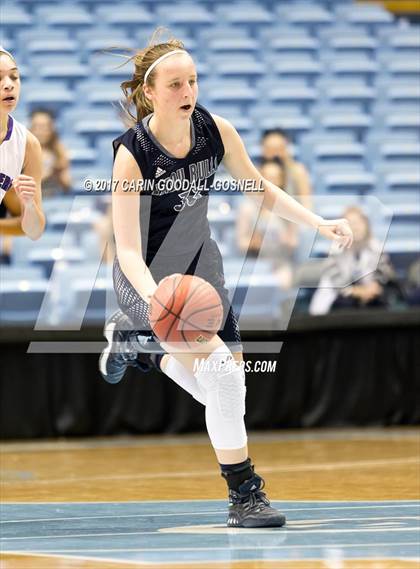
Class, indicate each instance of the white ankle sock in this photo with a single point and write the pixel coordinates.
(184, 378)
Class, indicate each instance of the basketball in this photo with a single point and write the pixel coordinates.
(185, 310)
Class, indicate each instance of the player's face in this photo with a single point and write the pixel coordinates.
(175, 90)
(275, 146)
(9, 84)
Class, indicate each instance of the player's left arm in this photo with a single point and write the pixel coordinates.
(28, 189)
(240, 166)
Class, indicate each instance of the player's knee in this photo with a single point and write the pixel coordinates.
(223, 379)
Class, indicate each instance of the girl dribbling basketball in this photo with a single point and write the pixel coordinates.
(161, 228)
(20, 157)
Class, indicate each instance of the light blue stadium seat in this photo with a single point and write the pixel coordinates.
(97, 309)
(82, 156)
(290, 91)
(23, 248)
(403, 205)
(346, 181)
(406, 40)
(233, 91)
(251, 14)
(336, 152)
(92, 122)
(398, 91)
(347, 65)
(332, 206)
(56, 203)
(257, 297)
(403, 66)
(115, 65)
(340, 118)
(129, 15)
(68, 15)
(99, 91)
(54, 96)
(281, 29)
(295, 124)
(403, 178)
(403, 230)
(52, 46)
(371, 15)
(395, 152)
(405, 93)
(104, 41)
(66, 67)
(88, 269)
(275, 110)
(354, 43)
(222, 31)
(309, 141)
(292, 41)
(105, 151)
(403, 122)
(17, 17)
(345, 90)
(305, 14)
(295, 66)
(91, 244)
(280, 115)
(402, 118)
(234, 65)
(185, 14)
(20, 301)
(21, 273)
(240, 266)
(220, 45)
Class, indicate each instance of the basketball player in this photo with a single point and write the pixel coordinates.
(165, 232)
(20, 159)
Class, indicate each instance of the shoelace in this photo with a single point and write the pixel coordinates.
(255, 499)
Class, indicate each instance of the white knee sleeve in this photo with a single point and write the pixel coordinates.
(184, 378)
(223, 382)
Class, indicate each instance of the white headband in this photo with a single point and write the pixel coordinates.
(159, 59)
(2, 50)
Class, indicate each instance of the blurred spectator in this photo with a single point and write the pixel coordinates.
(413, 284)
(275, 143)
(364, 265)
(260, 233)
(56, 167)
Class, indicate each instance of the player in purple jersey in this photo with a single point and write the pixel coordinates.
(20, 159)
(165, 230)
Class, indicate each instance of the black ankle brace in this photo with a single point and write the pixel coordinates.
(236, 474)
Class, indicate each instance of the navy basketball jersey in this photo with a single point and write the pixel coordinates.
(174, 195)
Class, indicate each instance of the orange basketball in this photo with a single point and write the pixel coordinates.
(185, 310)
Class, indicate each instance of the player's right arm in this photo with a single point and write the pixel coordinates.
(126, 223)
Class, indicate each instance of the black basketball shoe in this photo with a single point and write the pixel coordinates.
(250, 507)
(123, 349)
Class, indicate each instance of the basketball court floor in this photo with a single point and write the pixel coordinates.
(351, 498)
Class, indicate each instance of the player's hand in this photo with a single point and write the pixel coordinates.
(337, 230)
(25, 188)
